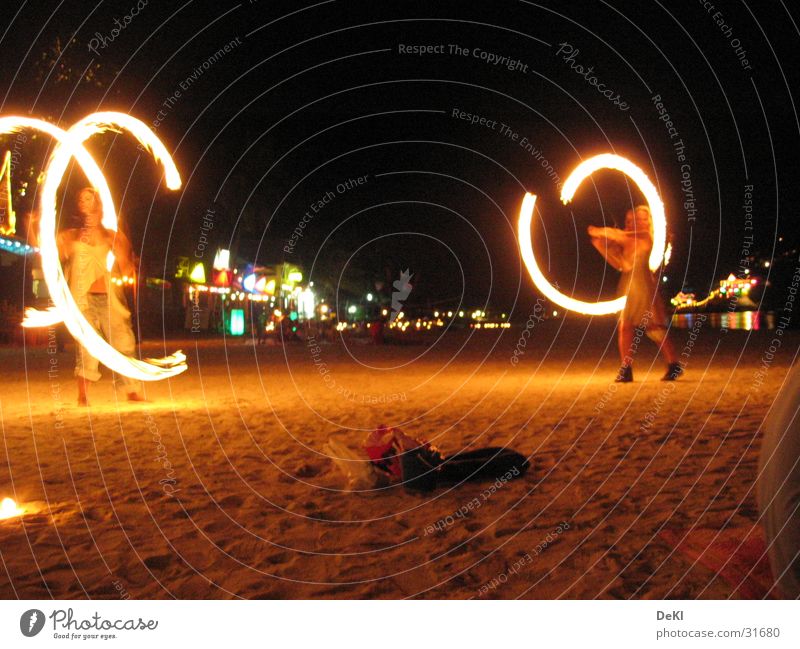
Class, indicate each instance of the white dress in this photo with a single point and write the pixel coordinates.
(643, 306)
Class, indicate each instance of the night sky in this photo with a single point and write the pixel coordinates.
(270, 108)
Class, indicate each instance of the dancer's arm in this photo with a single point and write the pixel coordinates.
(64, 241)
(620, 236)
(123, 251)
(612, 234)
(610, 244)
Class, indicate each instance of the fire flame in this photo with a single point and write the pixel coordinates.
(578, 175)
(9, 509)
(69, 145)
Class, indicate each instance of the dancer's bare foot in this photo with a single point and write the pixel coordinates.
(83, 401)
(135, 396)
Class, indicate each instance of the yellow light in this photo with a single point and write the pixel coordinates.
(10, 227)
(295, 276)
(579, 174)
(70, 145)
(198, 273)
(9, 509)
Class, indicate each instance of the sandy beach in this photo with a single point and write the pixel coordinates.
(219, 487)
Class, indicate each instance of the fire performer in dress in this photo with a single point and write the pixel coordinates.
(84, 253)
(628, 251)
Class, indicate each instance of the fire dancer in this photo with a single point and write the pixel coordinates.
(84, 252)
(628, 251)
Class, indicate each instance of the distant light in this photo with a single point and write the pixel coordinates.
(198, 274)
(766, 264)
(384, 312)
(435, 314)
(449, 314)
(222, 259)
(664, 278)
(555, 314)
(369, 297)
(295, 276)
(351, 309)
(323, 308)
(746, 271)
(307, 303)
(237, 322)
(460, 314)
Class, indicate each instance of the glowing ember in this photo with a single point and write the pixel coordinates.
(70, 144)
(581, 172)
(9, 509)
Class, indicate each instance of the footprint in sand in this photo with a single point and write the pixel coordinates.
(159, 561)
(307, 471)
(473, 526)
(231, 501)
(500, 532)
(217, 526)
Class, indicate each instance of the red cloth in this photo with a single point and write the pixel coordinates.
(384, 447)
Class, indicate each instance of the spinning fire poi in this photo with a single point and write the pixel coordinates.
(637, 252)
(100, 220)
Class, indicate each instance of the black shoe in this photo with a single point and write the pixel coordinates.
(625, 375)
(673, 372)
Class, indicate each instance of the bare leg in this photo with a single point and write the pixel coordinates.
(668, 350)
(674, 369)
(625, 341)
(83, 391)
